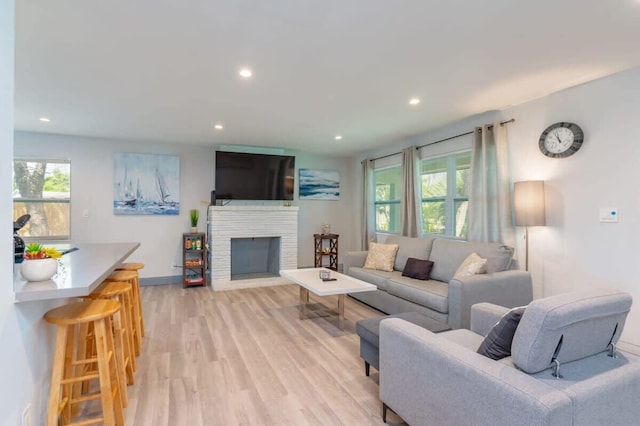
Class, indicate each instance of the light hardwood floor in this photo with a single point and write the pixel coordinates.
(243, 357)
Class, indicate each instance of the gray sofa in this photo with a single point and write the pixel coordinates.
(433, 379)
(442, 297)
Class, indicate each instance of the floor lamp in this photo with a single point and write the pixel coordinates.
(528, 201)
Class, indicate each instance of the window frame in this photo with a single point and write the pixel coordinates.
(451, 199)
(26, 201)
(391, 203)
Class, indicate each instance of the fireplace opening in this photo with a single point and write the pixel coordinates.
(253, 258)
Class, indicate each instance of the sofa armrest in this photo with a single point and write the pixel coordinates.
(484, 316)
(427, 379)
(506, 288)
(354, 259)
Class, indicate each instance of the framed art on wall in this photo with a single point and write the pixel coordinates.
(146, 184)
(319, 184)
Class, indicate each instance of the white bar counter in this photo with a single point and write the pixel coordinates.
(79, 272)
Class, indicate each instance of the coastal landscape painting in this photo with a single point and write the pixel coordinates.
(319, 184)
(146, 184)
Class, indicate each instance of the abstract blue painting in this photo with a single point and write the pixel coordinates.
(319, 184)
(145, 184)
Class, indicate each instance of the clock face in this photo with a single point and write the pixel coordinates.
(561, 140)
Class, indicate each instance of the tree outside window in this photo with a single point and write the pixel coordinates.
(41, 188)
(444, 193)
(388, 187)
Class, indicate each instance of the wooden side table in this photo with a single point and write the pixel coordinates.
(326, 245)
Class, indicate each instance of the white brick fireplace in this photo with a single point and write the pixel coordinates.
(229, 222)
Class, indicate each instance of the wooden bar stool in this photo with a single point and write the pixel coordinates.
(131, 277)
(121, 292)
(135, 266)
(70, 366)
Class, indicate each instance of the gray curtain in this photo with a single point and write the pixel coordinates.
(408, 202)
(367, 215)
(490, 216)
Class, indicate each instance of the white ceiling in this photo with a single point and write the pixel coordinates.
(166, 70)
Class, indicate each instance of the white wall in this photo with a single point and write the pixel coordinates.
(160, 236)
(25, 340)
(574, 251)
(92, 189)
(313, 213)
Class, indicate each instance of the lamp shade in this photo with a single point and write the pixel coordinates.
(528, 198)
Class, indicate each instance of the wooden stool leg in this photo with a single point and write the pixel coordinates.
(115, 380)
(137, 316)
(111, 406)
(128, 320)
(137, 286)
(85, 350)
(118, 346)
(139, 300)
(56, 376)
(69, 388)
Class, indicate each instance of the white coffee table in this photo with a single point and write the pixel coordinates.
(309, 281)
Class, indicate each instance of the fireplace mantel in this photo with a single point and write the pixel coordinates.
(227, 222)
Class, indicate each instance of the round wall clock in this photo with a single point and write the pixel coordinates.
(561, 140)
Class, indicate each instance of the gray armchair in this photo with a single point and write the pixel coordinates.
(430, 379)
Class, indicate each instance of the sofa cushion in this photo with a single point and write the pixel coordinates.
(472, 265)
(417, 268)
(375, 277)
(576, 325)
(419, 248)
(497, 344)
(448, 255)
(431, 294)
(381, 256)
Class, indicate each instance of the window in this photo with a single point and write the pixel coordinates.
(444, 193)
(388, 186)
(41, 188)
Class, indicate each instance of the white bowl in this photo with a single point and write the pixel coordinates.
(38, 269)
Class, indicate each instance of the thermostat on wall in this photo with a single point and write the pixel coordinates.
(608, 214)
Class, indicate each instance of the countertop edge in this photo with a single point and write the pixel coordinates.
(21, 296)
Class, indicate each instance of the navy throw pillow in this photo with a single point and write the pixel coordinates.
(497, 344)
(417, 268)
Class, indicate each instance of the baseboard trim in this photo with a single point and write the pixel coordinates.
(171, 279)
(628, 347)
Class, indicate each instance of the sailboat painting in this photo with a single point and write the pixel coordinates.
(146, 184)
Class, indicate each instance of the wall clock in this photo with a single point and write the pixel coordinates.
(561, 140)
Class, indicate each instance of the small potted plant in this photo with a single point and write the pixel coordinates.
(40, 263)
(194, 215)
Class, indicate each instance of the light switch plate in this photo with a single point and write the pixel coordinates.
(608, 214)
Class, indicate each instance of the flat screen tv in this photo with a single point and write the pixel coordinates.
(243, 176)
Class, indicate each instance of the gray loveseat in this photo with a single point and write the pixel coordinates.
(442, 297)
(434, 379)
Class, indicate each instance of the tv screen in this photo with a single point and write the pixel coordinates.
(243, 176)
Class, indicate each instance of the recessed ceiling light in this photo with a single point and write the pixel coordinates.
(245, 73)
(44, 119)
(218, 127)
(338, 137)
(414, 101)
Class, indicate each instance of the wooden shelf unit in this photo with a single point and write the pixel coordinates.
(325, 246)
(194, 259)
